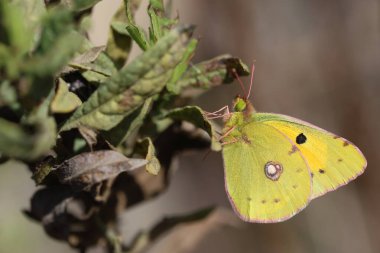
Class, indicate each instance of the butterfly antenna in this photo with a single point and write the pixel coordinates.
(240, 82)
(251, 84)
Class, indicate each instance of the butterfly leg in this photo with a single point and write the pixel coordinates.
(221, 113)
(229, 142)
(217, 112)
(227, 133)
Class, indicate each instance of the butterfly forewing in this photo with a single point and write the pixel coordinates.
(267, 178)
(333, 160)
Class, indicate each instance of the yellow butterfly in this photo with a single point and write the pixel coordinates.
(275, 164)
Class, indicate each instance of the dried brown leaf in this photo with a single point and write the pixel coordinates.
(87, 169)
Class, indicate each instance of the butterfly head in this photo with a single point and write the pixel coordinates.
(241, 104)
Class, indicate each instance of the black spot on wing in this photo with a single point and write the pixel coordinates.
(322, 171)
(301, 138)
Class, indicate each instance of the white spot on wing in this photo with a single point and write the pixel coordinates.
(273, 170)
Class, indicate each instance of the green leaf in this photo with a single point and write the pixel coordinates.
(40, 69)
(100, 70)
(57, 22)
(27, 142)
(181, 67)
(13, 32)
(138, 36)
(51, 61)
(159, 24)
(157, 4)
(34, 10)
(83, 62)
(34, 136)
(41, 111)
(155, 29)
(64, 101)
(119, 43)
(134, 31)
(8, 93)
(98, 67)
(144, 77)
(146, 147)
(58, 43)
(93, 63)
(213, 72)
(89, 56)
(15, 38)
(194, 115)
(128, 125)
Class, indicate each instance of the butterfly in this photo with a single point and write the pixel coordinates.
(275, 164)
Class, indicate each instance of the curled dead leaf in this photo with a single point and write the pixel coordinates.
(84, 170)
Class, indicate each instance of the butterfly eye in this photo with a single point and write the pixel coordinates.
(301, 138)
(273, 170)
(239, 104)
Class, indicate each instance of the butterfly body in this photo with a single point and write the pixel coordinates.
(275, 164)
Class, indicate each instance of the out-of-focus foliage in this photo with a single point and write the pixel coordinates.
(87, 124)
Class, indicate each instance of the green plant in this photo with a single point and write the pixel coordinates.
(86, 123)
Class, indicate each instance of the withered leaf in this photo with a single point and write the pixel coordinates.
(146, 147)
(86, 169)
(64, 101)
(89, 56)
(89, 135)
(212, 72)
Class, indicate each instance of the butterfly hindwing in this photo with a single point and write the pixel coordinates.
(251, 151)
(333, 160)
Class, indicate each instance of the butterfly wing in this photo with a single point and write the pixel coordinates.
(333, 160)
(250, 152)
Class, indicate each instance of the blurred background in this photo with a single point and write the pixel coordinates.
(315, 60)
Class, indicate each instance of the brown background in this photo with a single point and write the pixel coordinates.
(315, 60)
